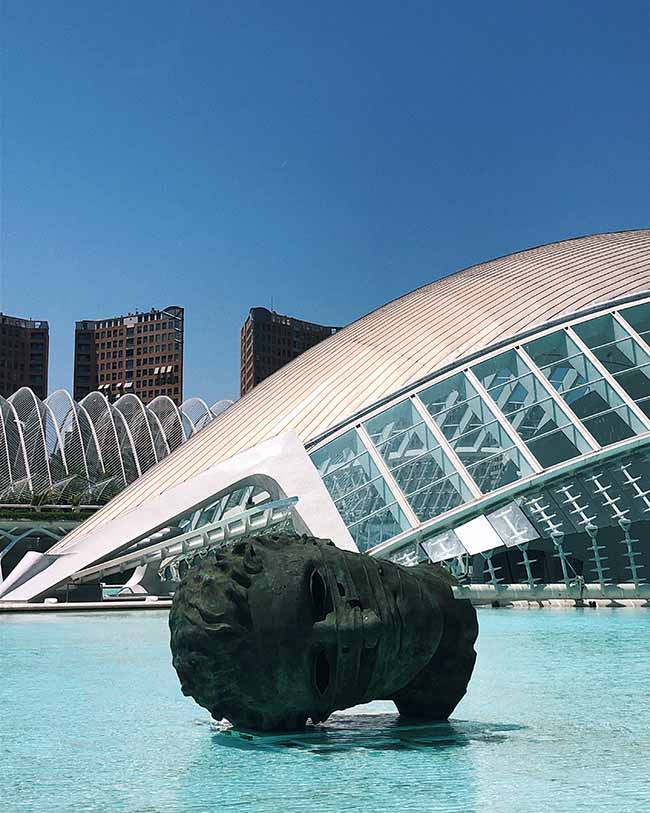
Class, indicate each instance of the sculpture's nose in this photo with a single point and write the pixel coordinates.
(356, 625)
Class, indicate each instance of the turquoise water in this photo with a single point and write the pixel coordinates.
(557, 718)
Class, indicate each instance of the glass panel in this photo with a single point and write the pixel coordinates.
(622, 356)
(447, 393)
(360, 493)
(645, 406)
(635, 382)
(378, 528)
(639, 318)
(392, 423)
(500, 470)
(439, 497)
(538, 419)
(592, 399)
(345, 478)
(528, 407)
(550, 349)
(497, 372)
(581, 385)
(424, 470)
(559, 446)
(603, 330)
(366, 499)
(464, 418)
(419, 465)
(338, 453)
(455, 416)
(400, 434)
(481, 443)
(615, 425)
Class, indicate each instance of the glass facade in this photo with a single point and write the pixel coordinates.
(623, 356)
(420, 467)
(360, 493)
(585, 390)
(549, 400)
(482, 445)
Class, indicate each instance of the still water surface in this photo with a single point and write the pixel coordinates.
(557, 718)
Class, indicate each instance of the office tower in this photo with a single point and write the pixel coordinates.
(269, 340)
(139, 353)
(24, 349)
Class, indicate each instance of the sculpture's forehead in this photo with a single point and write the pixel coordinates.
(312, 555)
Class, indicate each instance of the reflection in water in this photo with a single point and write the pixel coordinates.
(381, 732)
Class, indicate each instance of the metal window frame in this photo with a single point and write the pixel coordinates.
(554, 394)
(379, 461)
(613, 383)
(634, 335)
(504, 422)
(446, 447)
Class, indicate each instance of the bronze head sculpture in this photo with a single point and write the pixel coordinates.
(270, 632)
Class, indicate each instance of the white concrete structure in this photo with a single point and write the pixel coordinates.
(88, 451)
(498, 409)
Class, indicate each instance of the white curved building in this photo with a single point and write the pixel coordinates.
(500, 410)
(59, 451)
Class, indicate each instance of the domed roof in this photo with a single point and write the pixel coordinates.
(405, 340)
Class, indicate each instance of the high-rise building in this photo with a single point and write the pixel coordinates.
(140, 353)
(24, 350)
(269, 340)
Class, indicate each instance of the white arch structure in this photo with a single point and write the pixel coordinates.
(57, 450)
(507, 402)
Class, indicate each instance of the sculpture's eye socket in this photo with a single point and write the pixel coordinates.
(322, 672)
(321, 601)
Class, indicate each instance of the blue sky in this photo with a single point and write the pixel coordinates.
(321, 156)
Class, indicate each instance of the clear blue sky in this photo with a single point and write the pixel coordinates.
(325, 156)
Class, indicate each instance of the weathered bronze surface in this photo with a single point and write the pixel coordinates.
(273, 631)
